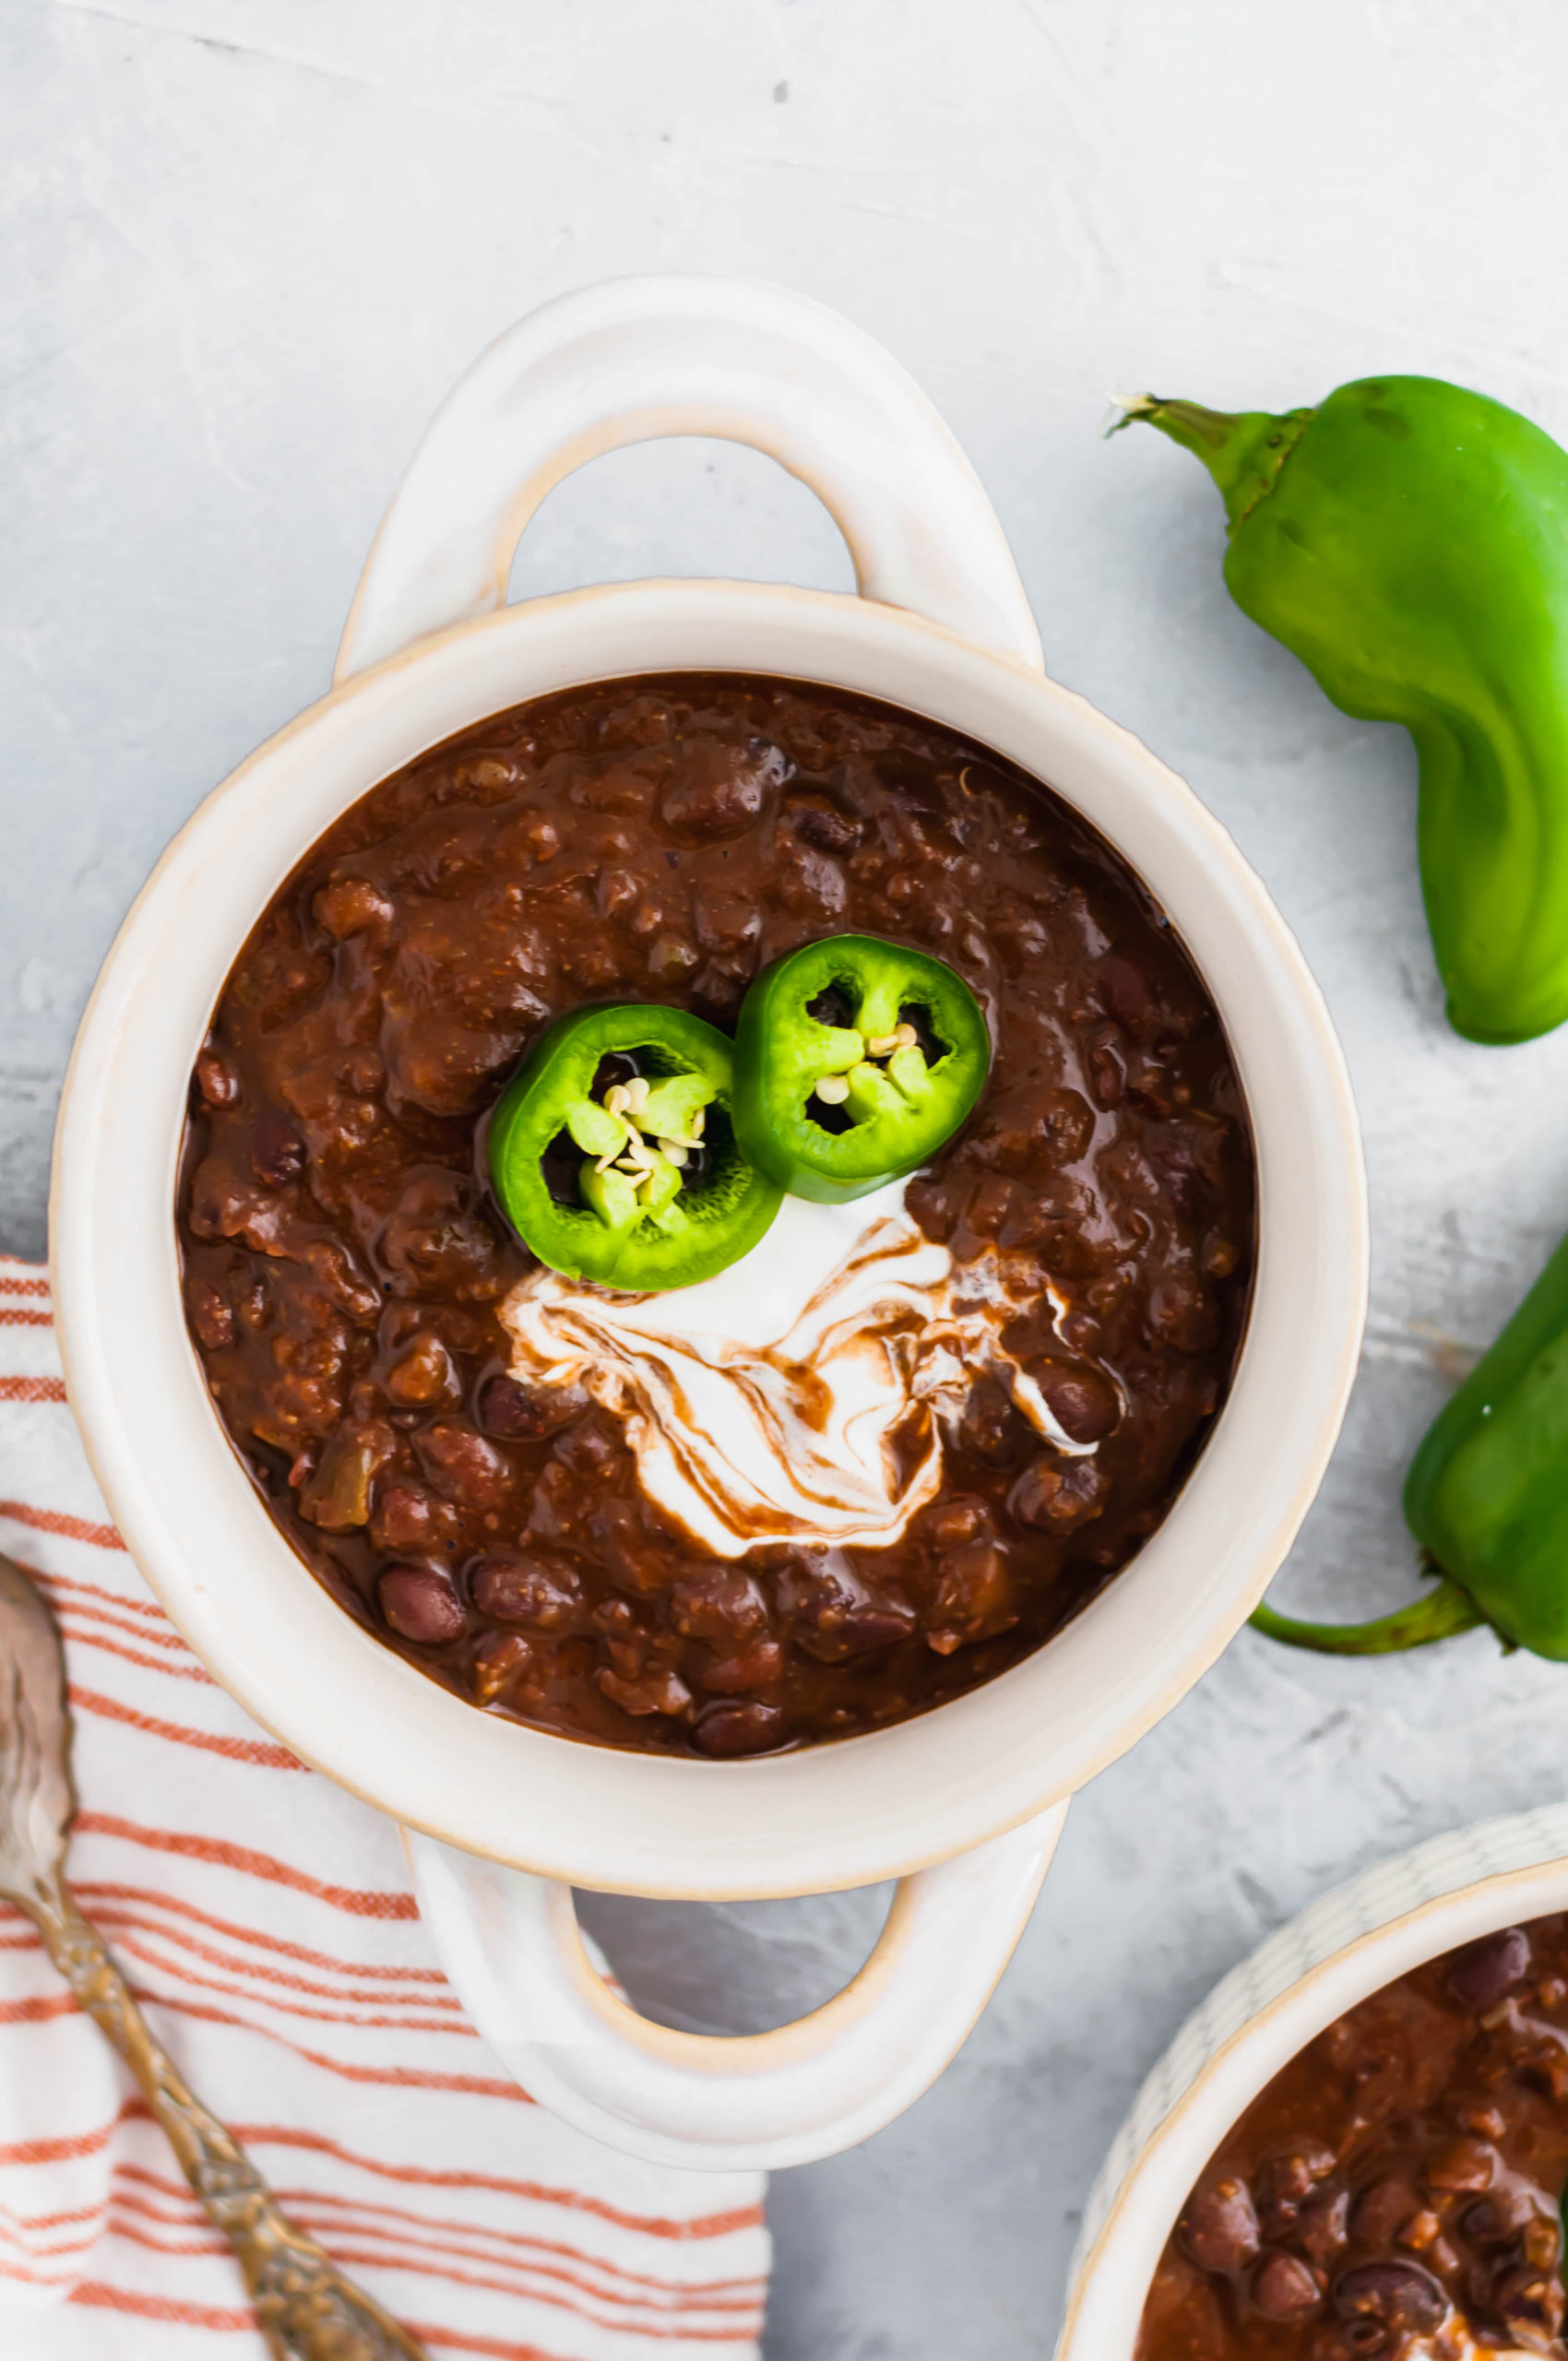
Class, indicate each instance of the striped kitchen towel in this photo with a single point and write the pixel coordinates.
(266, 1920)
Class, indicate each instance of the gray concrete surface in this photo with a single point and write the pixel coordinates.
(247, 244)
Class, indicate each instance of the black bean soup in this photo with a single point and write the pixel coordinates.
(1396, 2188)
(663, 840)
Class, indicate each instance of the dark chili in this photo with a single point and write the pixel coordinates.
(662, 841)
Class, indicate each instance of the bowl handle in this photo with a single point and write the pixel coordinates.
(636, 358)
(629, 362)
(512, 1947)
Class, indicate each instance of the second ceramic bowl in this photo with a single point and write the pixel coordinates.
(1342, 1949)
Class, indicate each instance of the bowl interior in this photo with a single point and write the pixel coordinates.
(833, 1816)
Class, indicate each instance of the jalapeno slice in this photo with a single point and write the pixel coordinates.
(613, 1151)
(854, 1060)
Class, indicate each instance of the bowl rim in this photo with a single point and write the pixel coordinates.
(1395, 1915)
(863, 1808)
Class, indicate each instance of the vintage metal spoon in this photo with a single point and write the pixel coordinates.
(309, 2310)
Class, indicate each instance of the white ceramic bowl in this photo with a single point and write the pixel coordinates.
(1497, 1873)
(942, 628)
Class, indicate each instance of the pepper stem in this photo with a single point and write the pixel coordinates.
(1443, 1611)
(1243, 450)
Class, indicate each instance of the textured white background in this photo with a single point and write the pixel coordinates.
(246, 244)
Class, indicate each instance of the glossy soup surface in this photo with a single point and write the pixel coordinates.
(663, 840)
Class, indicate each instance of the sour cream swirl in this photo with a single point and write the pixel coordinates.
(800, 1396)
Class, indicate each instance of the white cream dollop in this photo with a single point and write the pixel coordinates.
(762, 1405)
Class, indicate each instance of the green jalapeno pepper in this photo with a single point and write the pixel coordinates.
(854, 1060)
(613, 1151)
(1408, 542)
(1487, 1498)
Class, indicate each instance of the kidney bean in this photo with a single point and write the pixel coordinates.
(738, 1727)
(1220, 2226)
(1081, 1398)
(973, 1597)
(278, 1151)
(1054, 1495)
(1283, 2288)
(424, 1376)
(213, 1319)
(1396, 2295)
(834, 1615)
(758, 1664)
(721, 1606)
(216, 1078)
(465, 1465)
(421, 1603)
(405, 1517)
(528, 1413)
(1486, 1972)
(545, 1592)
(821, 825)
(1496, 2219)
(589, 1448)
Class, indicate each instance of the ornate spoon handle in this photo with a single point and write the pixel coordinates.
(309, 2309)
